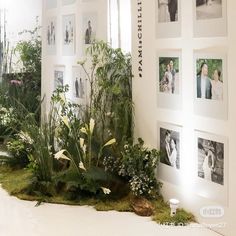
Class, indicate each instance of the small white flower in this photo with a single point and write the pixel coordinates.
(66, 121)
(84, 148)
(106, 190)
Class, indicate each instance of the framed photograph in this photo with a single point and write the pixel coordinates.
(59, 76)
(68, 2)
(89, 27)
(51, 36)
(208, 14)
(79, 85)
(211, 85)
(168, 18)
(68, 34)
(169, 79)
(170, 146)
(50, 4)
(212, 166)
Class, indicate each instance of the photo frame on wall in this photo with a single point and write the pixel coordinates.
(210, 85)
(90, 23)
(51, 35)
(59, 76)
(168, 18)
(68, 35)
(79, 85)
(50, 4)
(169, 79)
(211, 158)
(68, 2)
(207, 14)
(169, 142)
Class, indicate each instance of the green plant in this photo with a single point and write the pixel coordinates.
(137, 164)
(110, 103)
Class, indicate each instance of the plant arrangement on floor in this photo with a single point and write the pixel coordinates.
(86, 154)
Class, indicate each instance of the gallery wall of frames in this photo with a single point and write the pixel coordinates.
(183, 53)
(69, 27)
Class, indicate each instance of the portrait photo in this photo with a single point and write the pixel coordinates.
(208, 9)
(210, 79)
(79, 83)
(51, 35)
(89, 27)
(167, 10)
(69, 34)
(169, 75)
(211, 161)
(170, 147)
(59, 74)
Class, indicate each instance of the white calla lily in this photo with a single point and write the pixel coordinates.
(91, 125)
(81, 142)
(61, 155)
(110, 142)
(66, 121)
(81, 166)
(106, 190)
(83, 130)
(84, 148)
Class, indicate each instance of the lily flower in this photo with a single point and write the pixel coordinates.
(81, 166)
(110, 142)
(106, 190)
(61, 155)
(91, 125)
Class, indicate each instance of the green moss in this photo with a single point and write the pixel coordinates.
(16, 182)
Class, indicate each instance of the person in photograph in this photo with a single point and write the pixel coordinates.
(173, 72)
(208, 163)
(173, 6)
(173, 153)
(167, 147)
(48, 36)
(88, 33)
(217, 86)
(204, 83)
(76, 87)
(163, 11)
(81, 88)
(66, 35)
(167, 80)
(71, 32)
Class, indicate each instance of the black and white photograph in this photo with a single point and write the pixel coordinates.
(211, 161)
(89, 27)
(170, 147)
(79, 83)
(208, 9)
(167, 11)
(169, 75)
(68, 2)
(59, 74)
(210, 79)
(50, 4)
(51, 35)
(210, 18)
(69, 34)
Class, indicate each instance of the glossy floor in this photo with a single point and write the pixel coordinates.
(22, 218)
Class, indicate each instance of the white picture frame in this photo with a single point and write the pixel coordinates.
(207, 24)
(59, 76)
(171, 99)
(209, 106)
(168, 171)
(166, 26)
(203, 186)
(68, 35)
(51, 35)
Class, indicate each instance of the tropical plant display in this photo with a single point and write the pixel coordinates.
(78, 153)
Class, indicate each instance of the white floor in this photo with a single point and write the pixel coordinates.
(21, 218)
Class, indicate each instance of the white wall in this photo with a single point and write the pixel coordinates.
(147, 114)
(49, 61)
